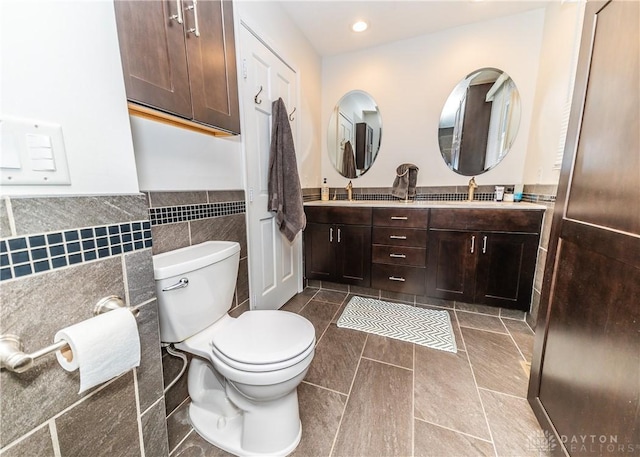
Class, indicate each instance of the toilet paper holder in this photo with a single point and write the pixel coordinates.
(14, 359)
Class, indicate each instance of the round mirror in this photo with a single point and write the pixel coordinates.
(354, 134)
(479, 122)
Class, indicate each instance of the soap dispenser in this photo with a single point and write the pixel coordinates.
(324, 192)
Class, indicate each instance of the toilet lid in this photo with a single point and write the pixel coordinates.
(264, 337)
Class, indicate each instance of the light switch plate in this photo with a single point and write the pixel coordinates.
(32, 153)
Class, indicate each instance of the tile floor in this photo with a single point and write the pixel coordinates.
(366, 395)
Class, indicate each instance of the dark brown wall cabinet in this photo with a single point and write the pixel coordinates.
(337, 245)
(179, 57)
(399, 250)
(493, 265)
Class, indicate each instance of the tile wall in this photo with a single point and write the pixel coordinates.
(180, 219)
(60, 255)
(540, 194)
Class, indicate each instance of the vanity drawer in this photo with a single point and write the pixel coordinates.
(399, 255)
(396, 278)
(400, 237)
(487, 220)
(401, 217)
(338, 215)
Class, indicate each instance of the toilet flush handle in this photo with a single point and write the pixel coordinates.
(184, 282)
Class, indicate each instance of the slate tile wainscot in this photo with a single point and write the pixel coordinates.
(543, 195)
(60, 255)
(184, 218)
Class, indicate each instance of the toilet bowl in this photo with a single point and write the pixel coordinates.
(245, 371)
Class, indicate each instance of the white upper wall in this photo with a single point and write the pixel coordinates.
(61, 64)
(562, 29)
(411, 80)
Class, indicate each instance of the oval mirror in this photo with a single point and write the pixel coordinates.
(354, 134)
(479, 122)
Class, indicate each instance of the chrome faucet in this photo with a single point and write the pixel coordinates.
(349, 189)
(472, 187)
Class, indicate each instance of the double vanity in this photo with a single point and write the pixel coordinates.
(474, 252)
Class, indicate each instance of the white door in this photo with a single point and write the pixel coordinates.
(274, 262)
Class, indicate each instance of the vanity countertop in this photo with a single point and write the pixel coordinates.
(462, 204)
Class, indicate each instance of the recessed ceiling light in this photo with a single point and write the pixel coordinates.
(359, 26)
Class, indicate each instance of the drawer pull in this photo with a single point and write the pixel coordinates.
(397, 237)
(398, 256)
(399, 218)
(393, 278)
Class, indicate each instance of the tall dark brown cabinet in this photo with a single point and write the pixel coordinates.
(179, 57)
(585, 378)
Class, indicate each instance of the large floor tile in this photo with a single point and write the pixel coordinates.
(434, 441)
(330, 296)
(523, 336)
(336, 359)
(445, 393)
(496, 362)
(514, 427)
(196, 446)
(298, 301)
(320, 413)
(319, 314)
(480, 322)
(389, 350)
(377, 420)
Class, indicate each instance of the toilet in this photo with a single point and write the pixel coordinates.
(245, 371)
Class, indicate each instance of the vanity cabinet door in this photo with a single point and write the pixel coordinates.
(451, 264)
(319, 252)
(353, 257)
(506, 268)
(340, 253)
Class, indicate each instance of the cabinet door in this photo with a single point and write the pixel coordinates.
(451, 264)
(505, 271)
(354, 255)
(319, 252)
(154, 59)
(212, 63)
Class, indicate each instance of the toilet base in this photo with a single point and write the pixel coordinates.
(228, 434)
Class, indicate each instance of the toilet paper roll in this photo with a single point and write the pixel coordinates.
(102, 347)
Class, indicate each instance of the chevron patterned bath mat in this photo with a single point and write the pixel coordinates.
(422, 326)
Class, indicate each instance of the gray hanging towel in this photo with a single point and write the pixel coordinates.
(404, 186)
(285, 193)
(348, 161)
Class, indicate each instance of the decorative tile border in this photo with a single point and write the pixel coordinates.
(538, 198)
(26, 255)
(183, 213)
(479, 196)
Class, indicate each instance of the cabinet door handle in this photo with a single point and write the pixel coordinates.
(473, 243)
(397, 237)
(399, 256)
(195, 30)
(484, 244)
(399, 218)
(178, 16)
(331, 235)
(339, 233)
(393, 278)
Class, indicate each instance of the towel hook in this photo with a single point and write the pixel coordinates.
(255, 99)
(291, 118)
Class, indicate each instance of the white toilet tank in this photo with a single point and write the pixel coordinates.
(195, 287)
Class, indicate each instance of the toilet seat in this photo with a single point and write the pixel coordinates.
(265, 340)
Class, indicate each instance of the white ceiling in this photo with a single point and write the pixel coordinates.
(327, 23)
